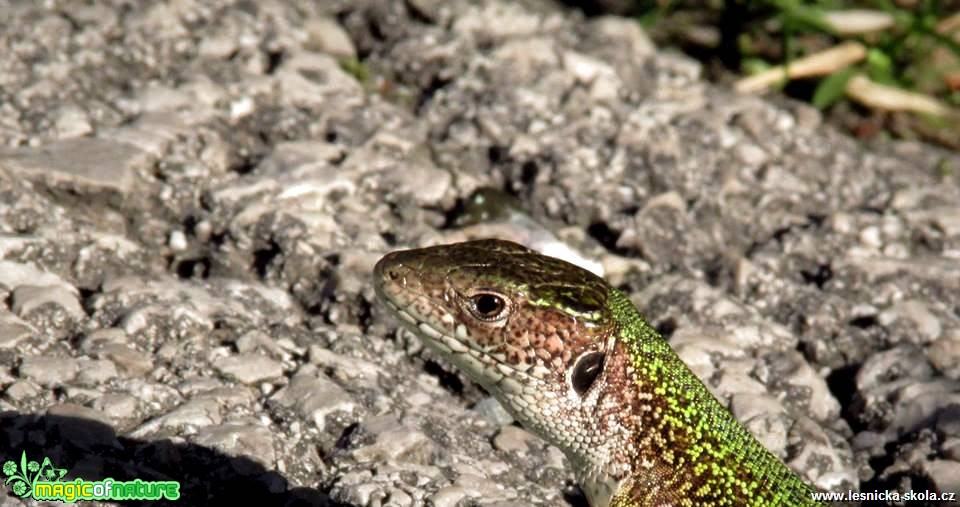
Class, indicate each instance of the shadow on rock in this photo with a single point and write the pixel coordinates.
(93, 451)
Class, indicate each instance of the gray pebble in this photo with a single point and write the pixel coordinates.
(512, 439)
(49, 371)
(314, 397)
(241, 440)
(249, 368)
(944, 474)
(84, 163)
(493, 412)
(96, 371)
(327, 36)
(13, 330)
(192, 415)
(129, 361)
(116, 406)
(922, 325)
(22, 390)
(394, 441)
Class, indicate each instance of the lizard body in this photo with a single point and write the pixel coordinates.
(570, 358)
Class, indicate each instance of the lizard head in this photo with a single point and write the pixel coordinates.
(536, 332)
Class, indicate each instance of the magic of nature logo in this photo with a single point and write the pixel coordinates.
(43, 481)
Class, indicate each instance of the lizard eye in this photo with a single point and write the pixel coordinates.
(586, 371)
(487, 306)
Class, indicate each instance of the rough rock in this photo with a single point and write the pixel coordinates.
(249, 368)
(80, 164)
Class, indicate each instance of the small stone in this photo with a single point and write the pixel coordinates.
(479, 487)
(925, 326)
(394, 441)
(49, 371)
(72, 122)
(623, 33)
(344, 368)
(944, 353)
(420, 399)
(512, 439)
(231, 397)
(81, 164)
(951, 448)
(15, 274)
(13, 330)
(904, 362)
(918, 402)
(251, 442)
(128, 360)
(314, 397)
(153, 133)
(22, 390)
(765, 417)
(426, 184)
(249, 368)
(242, 107)
(177, 241)
(203, 231)
(218, 47)
(198, 413)
(96, 371)
(944, 218)
(493, 412)
(870, 236)
(100, 337)
(27, 298)
(945, 475)
(307, 78)
(116, 406)
(449, 496)
(498, 21)
(327, 36)
(196, 385)
(258, 340)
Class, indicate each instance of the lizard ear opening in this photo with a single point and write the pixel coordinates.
(586, 371)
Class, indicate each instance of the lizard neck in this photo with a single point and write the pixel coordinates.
(683, 444)
(603, 470)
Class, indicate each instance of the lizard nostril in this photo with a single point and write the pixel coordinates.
(392, 274)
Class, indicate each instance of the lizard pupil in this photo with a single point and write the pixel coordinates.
(586, 371)
(487, 306)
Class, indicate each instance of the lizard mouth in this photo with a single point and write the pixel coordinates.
(392, 282)
(480, 366)
(396, 285)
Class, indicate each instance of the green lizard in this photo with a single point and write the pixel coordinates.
(570, 358)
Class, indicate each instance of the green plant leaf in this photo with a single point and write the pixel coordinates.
(750, 66)
(801, 17)
(880, 66)
(831, 88)
(23, 463)
(357, 69)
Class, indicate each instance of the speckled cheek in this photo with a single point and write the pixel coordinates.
(485, 336)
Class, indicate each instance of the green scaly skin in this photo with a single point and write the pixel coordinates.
(571, 359)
